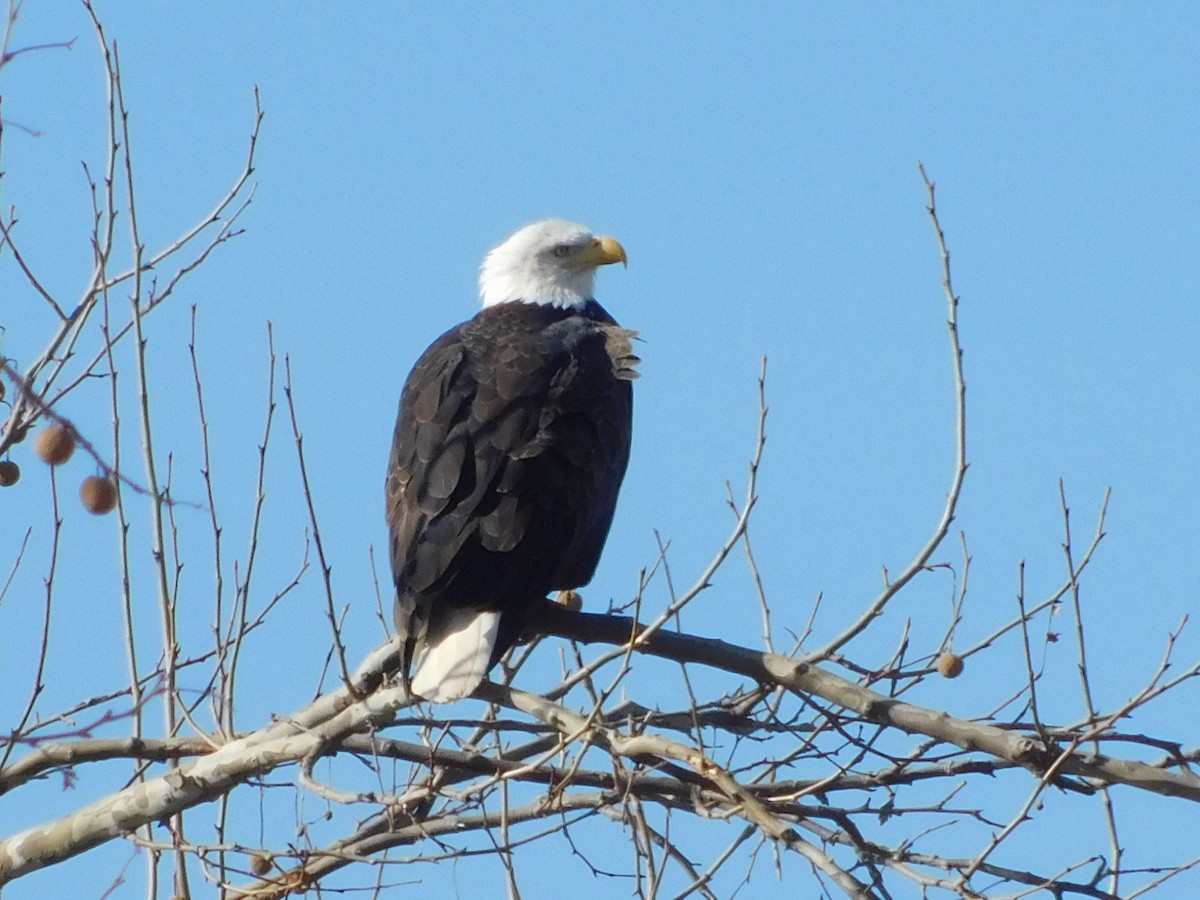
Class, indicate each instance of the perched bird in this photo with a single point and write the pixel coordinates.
(510, 446)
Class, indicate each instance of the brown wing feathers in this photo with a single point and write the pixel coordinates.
(510, 446)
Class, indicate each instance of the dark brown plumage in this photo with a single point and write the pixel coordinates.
(511, 442)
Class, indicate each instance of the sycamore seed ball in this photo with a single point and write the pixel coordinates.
(10, 473)
(260, 864)
(950, 665)
(55, 445)
(99, 495)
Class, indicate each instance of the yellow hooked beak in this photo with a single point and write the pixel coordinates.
(603, 251)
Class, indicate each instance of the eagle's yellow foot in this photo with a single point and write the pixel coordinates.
(571, 599)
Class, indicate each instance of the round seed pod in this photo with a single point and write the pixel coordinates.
(260, 864)
(10, 473)
(55, 445)
(99, 495)
(950, 665)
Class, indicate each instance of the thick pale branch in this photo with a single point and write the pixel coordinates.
(771, 668)
(210, 777)
(337, 715)
(636, 746)
(73, 753)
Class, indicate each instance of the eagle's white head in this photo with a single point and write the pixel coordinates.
(551, 262)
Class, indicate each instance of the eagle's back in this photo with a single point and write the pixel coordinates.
(510, 445)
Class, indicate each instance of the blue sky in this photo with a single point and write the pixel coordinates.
(759, 165)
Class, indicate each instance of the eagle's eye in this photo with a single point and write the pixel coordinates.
(561, 250)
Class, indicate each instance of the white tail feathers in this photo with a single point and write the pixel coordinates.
(453, 667)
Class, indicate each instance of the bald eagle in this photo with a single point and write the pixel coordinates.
(510, 446)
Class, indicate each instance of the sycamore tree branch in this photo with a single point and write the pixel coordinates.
(450, 825)
(212, 776)
(61, 754)
(636, 746)
(782, 671)
(463, 764)
(321, 725)
(35, 397)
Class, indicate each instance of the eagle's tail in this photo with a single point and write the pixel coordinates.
(451, 665)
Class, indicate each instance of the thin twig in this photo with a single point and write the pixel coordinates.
(875, 609)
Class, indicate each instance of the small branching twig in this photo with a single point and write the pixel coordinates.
(326, 569)
(893, 587)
